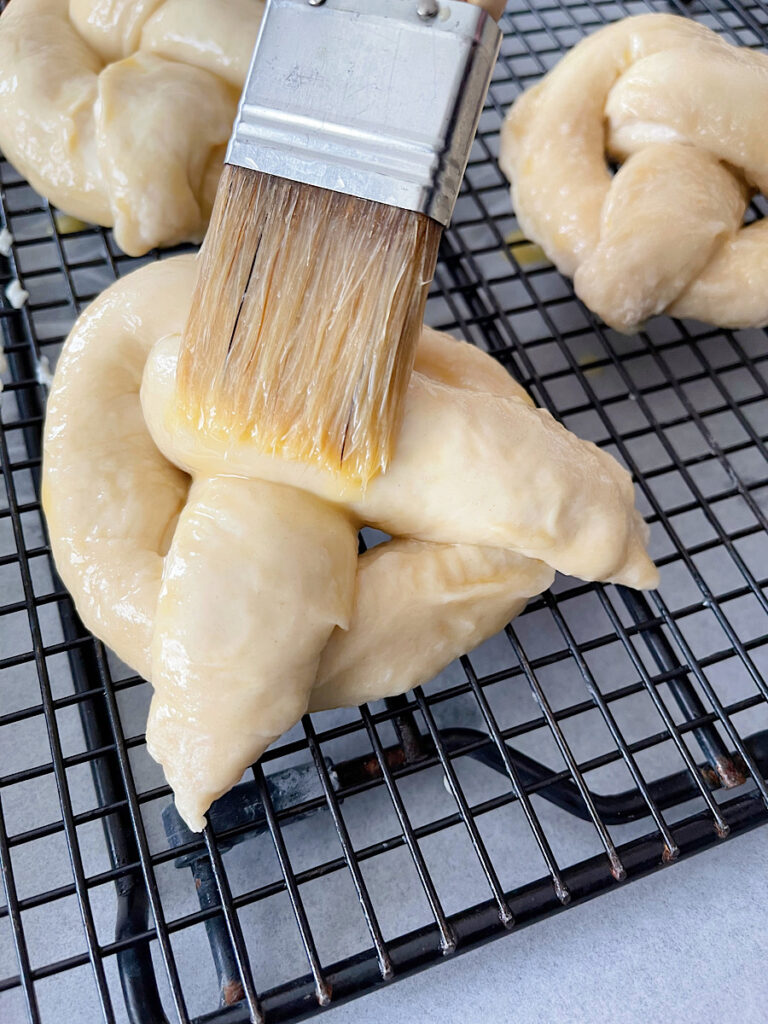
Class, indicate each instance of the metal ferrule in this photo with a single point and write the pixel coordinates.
(378, 99)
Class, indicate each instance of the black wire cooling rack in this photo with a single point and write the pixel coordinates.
(371, 843)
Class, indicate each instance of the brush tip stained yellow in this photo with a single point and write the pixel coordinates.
(305, 317)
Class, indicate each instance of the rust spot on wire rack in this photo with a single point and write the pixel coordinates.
(232, 992)
(732, 771)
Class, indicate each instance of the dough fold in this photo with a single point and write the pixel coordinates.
(256, 579)
(417, 607)
(469, 468)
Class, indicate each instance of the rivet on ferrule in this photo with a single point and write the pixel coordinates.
(427, 8)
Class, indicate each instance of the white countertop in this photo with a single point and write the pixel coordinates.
(687, 944)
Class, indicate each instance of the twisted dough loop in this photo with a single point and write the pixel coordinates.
(119, 110)
(241, 597)
(685, 112)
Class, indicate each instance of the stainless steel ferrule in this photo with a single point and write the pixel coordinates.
(373, 98)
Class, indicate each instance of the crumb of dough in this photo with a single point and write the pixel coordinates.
(15, 294)
(43, 372)
(6, 241)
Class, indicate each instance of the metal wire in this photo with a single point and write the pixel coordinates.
(371, 843)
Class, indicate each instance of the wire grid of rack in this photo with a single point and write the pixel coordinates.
(371, 843)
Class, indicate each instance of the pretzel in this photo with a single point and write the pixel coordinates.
(230, 578)
(118, 111)
(685, 114)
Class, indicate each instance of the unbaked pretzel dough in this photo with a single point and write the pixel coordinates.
(685, 113)
(241, 597)
(118, 111)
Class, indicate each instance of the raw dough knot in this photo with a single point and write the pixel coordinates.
(231, 578)
(683, 113)
(118, 111)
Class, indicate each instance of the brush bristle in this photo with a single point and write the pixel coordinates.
(305, 318)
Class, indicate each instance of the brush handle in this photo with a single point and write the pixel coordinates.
(378, 99)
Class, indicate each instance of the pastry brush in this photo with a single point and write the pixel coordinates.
(344, 164)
